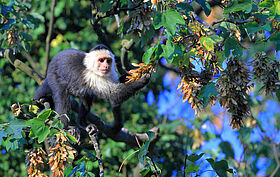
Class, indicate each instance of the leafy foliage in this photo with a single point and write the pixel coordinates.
(228, 55)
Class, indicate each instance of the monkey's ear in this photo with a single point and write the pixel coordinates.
(123, 78)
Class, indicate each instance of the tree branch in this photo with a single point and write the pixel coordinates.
(126, 45)
(21, 66)
(122, 136)
(115, 10)
(30, 60)
(232, 21)
(47, 60)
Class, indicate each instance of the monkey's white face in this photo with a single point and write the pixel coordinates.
(101, 62)
(104, 65)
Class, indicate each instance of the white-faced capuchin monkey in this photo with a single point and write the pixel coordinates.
(85, 75)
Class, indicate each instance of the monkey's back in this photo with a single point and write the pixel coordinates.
(66, 69)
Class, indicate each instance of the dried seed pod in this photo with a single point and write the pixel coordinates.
(233, 87)
(265, 71)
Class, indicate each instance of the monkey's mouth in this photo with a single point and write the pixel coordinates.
(104, 71)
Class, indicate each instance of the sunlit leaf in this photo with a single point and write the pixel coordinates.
(168, 19)
(148, 54)
(192, 168)
(239, 5)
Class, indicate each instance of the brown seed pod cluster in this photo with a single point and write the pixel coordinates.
(35, 162)
(136, 74)
(60, 155)
(191, 84)
(233, 87)
(266, 72)
(12, 37)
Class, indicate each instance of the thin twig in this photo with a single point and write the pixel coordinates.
(48, 39)
(185, 165)
(203, 22)
(116, 10)
(276, 156)
(232, 21)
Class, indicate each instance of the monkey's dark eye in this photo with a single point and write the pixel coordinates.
(109, 61)
(101, 60)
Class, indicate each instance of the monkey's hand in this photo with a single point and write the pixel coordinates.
(43, 103)
(74, 131)
(145, 79)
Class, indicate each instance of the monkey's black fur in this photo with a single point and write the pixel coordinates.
(65, 77)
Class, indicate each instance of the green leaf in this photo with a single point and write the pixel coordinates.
(168, 19)
(71, 138)
(232, 46)
(158, 21)
(205, 6)
(266, 4)
(275, 40)
(168, 51)
(194, 158)
(220, 167)
(37, 125)
(227, 149)
(207, 43)
(220, 58)
(106, 6)
(147, 36)
(12, 144)
(148, 54)
(45, 114)
(42, 133)
(207, 91)
(192, 168)
(254, 27)
(239, 5)
(158, 52)
(17, 125)
(185, 6)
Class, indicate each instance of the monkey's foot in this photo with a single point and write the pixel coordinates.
(91, 130)
(75, 131)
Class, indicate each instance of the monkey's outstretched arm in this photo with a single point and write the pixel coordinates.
(125, 90)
